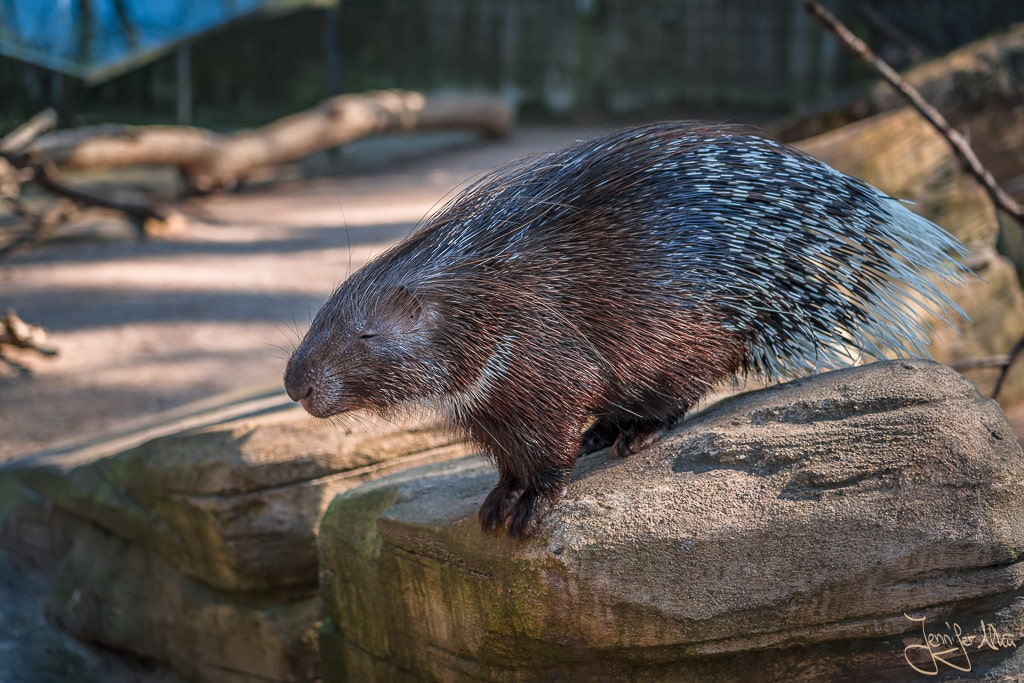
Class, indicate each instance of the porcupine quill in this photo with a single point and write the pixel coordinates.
(613, 283)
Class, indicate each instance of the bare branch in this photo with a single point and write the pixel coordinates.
(24, 134)
(1002, 361)
(998, 361)
(1015, 353)
(960, 146)
(915, 51)
(45, 175)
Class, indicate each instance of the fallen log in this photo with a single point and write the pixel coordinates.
(211, 161)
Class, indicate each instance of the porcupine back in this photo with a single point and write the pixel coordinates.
(622, 278)
(809, 266)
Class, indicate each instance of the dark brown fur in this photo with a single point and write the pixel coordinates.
(612, 283)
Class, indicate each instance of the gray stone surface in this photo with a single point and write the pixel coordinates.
(33, 651)
(198, 550)
(233, 506)
(789, 530)
(127, 597)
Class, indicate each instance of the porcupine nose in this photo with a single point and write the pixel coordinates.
(299, 392)
(298, 385)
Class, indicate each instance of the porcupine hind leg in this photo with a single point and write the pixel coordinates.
(673, 387)
(601, 434)
(626, 437)
(636, 436)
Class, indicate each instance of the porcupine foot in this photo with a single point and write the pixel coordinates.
(601, 434)
(520, 509)
(625, 438)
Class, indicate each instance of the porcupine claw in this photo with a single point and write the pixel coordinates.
(498, 505)
(632, 441)
(519, 510)
(528, 510)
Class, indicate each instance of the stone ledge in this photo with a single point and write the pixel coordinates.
(795, 523)
(198, 550)
(234, 506)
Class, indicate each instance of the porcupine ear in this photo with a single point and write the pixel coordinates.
(403, 310)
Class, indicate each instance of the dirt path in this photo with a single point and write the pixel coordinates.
(145, 327)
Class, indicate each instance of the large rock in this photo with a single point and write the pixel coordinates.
(234, 506)
(120, 594)
(198, 550)
(795, 532)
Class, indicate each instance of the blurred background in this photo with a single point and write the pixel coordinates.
(183, 182)
(229, 63)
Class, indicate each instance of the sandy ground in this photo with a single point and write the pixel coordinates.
(146, 327)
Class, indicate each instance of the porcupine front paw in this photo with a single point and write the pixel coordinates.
(518, 510)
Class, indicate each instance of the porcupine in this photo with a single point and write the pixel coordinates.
(613, 283)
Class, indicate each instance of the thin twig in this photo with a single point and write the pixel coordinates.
(958, 142)
(915, 51)
(1003, 361)
(998, 361)
(1014, 355)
